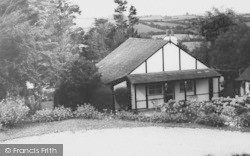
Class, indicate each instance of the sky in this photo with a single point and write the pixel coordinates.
(105, 8)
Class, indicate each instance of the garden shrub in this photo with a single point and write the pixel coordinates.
(58, 114)
(61, 113)
(229, 111)
(44, 115)
(12, 111)
(182, 111)
(125, 115)
(160, 118)
(213, 120)
(102, 99)
(87, 111)
(209, 108)
(244, 120)
(240, 110)
(77, 83)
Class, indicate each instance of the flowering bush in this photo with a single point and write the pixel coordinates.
(213, 120)
(61, 113)
(124, 115)
(43, 116)
(87, 111)
(244, 120)
(229, 111)
(12, 111)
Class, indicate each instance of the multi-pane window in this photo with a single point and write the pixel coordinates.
(189, 86)
(155, 89)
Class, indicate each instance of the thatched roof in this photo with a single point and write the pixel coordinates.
(245, 76)
(129, 55)
(173, 75)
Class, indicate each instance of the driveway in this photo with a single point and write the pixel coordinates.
(146, 141)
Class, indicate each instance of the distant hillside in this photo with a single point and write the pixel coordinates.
(141, 28)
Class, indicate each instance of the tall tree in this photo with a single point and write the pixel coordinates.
(217, 22)
(133, 20)
(37, 39)
(119, 15)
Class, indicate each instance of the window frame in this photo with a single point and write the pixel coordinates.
(189, 88)
(155, 89)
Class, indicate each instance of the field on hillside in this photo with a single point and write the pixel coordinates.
(141, 28)
(169, 24)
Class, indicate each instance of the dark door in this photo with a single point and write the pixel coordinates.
(169, 91)
(210, 88)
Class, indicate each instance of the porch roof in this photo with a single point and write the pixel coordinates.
(173, 76)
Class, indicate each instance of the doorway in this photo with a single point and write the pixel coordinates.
(169, 91)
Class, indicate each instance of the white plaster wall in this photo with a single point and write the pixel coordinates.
(215, 87)
(140, 70)
(171, 57)
(154, 63)
(121, 85)
(201, 65)
(187, 61)
(141, 95)
(247, 87)
(202, 87)
(178, 95)
(242, 92)
(133, 96)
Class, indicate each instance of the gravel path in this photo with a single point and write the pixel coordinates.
(146, 141)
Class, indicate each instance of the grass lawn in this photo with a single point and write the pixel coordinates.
(34, 129)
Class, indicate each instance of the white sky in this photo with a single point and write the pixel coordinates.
(105, 8)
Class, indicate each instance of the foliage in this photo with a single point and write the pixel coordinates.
(217, 22)
(213, 120)
(105, 36)
(226, 47)
(125, 115)
(102, 99)
(37, 40)
(61, 113)
(43, 116)
(78, 81)
(99, 40)
(244, 120)
(12, 111)
(229, 111)
(87, 111)
(57, 114)
(182, 111)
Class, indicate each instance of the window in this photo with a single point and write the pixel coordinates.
(155, 89)
(189, 86)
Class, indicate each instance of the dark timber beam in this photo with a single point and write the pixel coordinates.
(185, 91)
(146, 91)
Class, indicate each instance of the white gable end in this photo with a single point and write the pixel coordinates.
(169, 58)
(154, 63)
(140, 70)
(187, 61)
